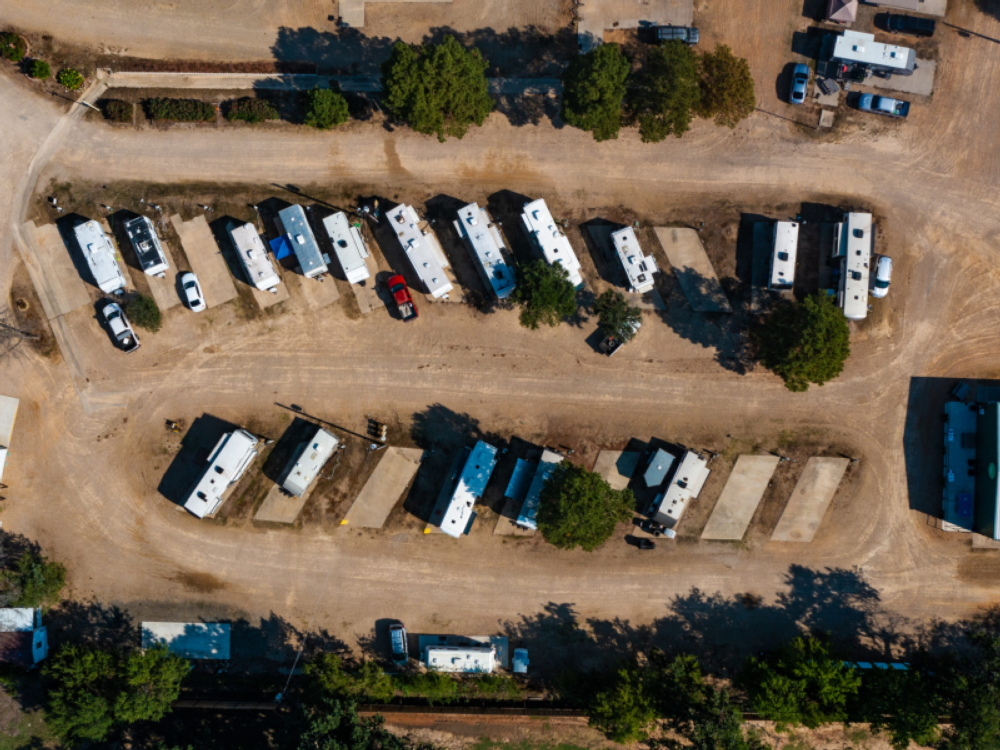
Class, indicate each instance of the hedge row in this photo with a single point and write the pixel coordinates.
(180, 110)
(251, 110)
(117, 110)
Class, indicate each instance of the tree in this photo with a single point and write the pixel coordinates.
(71, 79)
(12, 47)
(151, 683)
(727, 90)
(35, 581)
(666, 92)
(970, 684)
(249, 109)
(903, 703)
(617, 318)
(593, 90)
(804, 684)
(40, 70)
(325, 109)
(143, 311)
(718, 725)
(437, 89)
(805, 342)
(368, 683)
(578, 508)
(626, 712)
(329, 724)
(545, 294)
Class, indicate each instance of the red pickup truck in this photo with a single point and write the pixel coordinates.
(401, 293)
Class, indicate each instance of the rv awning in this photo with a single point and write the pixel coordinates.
(281, 247)
(842, 11)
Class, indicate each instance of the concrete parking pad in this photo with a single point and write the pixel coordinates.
(315, 294)
(617, 467)
(52, 270)
(811, 497)
(693, 269)
(740, 497)
(206, 260)
(352, 12)
(920, 83)
(391, 477)
(266, 299)
(165, 290)
(598, 16)
(281, 506)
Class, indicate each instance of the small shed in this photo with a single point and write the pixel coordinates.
(842, 11)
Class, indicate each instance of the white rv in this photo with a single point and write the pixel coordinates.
(639, 268)
(461, 659)
(786, 245)
(309, 459)
(349, 245)
(226, 464)
(101, 257)
(689, 477)
(146, 243)
(470, 487)
(550, 240)
(422, 248)
(853, 242)
(253, 257)
(485, 243)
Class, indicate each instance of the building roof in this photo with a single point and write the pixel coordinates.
(465, 659)
(349, 246)
(469, 488)
(100, 256)
(549, 238)
(422, 249)
(658, 467)
(529, 509)
(686, 484)
(17, 619)
(639, 268)
(842, 11)
(786, 246)
(959, 455)
(146, 243)
(226, 464)
(854, 239)
(485, 243)
(191, 640)
(859, 47)
(253, 257)
(987, 497)
(302, 240)
(310, 457)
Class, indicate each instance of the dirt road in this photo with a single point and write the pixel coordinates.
(935, 182)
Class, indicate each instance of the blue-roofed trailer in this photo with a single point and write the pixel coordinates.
(470, 487)
(303, 241)
(526, 518)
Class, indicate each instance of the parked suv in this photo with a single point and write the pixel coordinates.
(911, 25)
(684, 34)
(400, 652)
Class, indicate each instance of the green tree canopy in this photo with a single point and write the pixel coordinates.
(329, 724)
(727, 90)
(578, 508)
(40, 70)
(143, 311)
(593, 90)
(71, 79)
(902, 703)
(545, 294)
(150, 682)
(804, 684)
(805, 342)
(325, 109)
(616, 316)
(667, 92)
(626, 711)
(368, 683)
(437, 89)
(35, 581)
(971, 685)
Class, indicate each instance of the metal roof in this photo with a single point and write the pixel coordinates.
(529, 509)
(485, 243)
(349, 245)
(658, 467)
(859, 47)
(310, 457)
(639, 268)
(853, 241)
(422, 249)
(145, 242)
(470, 487)
(191, 640)
(786, 246)
(842, 11)
(253, 257)
(302, 240)
(100, 256)
(549, 238)
(226, 464)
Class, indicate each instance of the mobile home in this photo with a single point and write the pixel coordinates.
(859, 48)
(303, 241)
(853, 243)
(349, 245)
(309, 459)
(422, 249)
(550, 240)
(487, 247)
(226, 465)
(639, 268)
(101, 257)
(786, 246)
(253, 257)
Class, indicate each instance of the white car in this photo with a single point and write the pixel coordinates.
(883, 275)
(192, 292)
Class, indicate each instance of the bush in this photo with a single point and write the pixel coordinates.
(593, 89)
(325, 109)
(493, 687)
(617, 317)
(251, 110)
(434, 687)
(12, 46)
(40, 69)
(180, 110)
(36, 581)
(368, 683)
(578, 508)
(626, 712)
(545, 294)
(727, 90)
(71, 79)
(117, 110)
(144, 312)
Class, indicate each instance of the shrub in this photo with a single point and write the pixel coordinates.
(578, 508)
(325, 109)
(144, 312)
(117, 110)
(434, 687)
(40, 69)
(494, 687)
(36, 581)
(12, 46)
(545, 294)
(727, 90)
(180, 110)
(71, 79)
(251, 110)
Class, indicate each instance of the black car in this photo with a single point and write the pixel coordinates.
(646, 544)
(910, 25)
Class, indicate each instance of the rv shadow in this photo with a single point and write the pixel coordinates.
(506, 206)
(277, 464)
(191, 459)
(66, 226)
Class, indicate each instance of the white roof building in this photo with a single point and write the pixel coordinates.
(190, 640)
(463, 659)
(8, 413)
(786, 246)
(226, 464)
(470, 487)
(853, 242)
(349, 245)
(146, 243)
(485, 243)
(686, 484)
(422, 248)
(303, 241)
(253, 257)
(310, 457)
(550, 240)
(101, 256)
(639, 268)
(859, 47)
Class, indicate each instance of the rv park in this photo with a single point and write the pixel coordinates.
(841, 482)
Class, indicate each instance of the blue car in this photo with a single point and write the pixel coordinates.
(800, 84)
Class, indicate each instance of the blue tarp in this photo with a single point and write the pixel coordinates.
(281, 247)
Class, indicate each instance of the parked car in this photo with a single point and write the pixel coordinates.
(645, 544)
(400, 650)
(910, 25)
(684, 34)
(121, 329)
(800, 84)
(884, 105)
(192, 292)
(401, 293)
(883, 275)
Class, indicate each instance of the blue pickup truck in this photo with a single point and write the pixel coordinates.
(883, 105)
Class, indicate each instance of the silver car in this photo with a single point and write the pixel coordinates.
(800, 84)
(883, 275)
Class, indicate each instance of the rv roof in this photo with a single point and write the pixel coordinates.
(422, 249)
(550, 239)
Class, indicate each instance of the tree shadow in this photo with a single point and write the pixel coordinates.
(814, 10)
(191, 460)
(989, 7)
